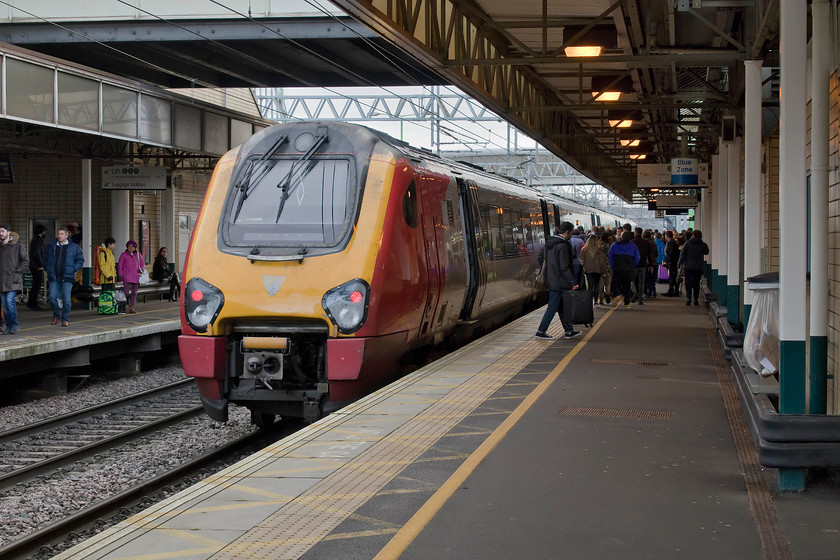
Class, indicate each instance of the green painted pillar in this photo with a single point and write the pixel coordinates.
(721, 289)
(733, 305)
(818, 375)
(792, 401)
(747, 311)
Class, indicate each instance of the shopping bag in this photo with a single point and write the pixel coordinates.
(663, 273)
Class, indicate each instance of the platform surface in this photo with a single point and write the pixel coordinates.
(625, 443)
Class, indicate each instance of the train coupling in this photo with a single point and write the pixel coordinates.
(311, 409)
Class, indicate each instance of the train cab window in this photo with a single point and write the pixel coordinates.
(409, 205)
(282, 204)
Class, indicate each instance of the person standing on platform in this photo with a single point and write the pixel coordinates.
(624, 258)
(129, 267)
(37, 246)
(691, 257)
(559, 277)
(13, 262)
(107, 265)
(62, 260)
(75, 232)
(672, 257)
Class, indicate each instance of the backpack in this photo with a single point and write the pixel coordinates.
(106, 303)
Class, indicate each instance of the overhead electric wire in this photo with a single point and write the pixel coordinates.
(504, 150)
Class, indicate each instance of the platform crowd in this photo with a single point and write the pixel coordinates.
(627, 263)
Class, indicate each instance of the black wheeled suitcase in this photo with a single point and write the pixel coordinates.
(578, 307)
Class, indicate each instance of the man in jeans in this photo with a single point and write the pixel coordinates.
(559, 277)
(13, 262)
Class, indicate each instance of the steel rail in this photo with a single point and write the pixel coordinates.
(64, 419)
(48, 465)
(27, 546)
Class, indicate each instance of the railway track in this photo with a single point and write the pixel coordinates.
(29, 545)
(43, 447)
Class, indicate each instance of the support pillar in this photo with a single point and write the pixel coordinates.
(87, 274)
(821, 68)
(120, 226)
(792, 193)
(167, 224)
(752, 179)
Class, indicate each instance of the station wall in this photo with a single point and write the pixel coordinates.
(49, 187)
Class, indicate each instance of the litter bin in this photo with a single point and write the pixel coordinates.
(761, 339)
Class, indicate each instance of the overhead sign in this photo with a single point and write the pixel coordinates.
(684, 171)
(127, 178)
(675, 201)
(658, 175)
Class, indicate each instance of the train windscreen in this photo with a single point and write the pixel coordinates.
(282, 202)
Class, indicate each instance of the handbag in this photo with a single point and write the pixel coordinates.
(663, 273)
(144, 277)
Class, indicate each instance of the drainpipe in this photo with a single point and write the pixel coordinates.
(820, 60)
(752, 178)
(792, 193)
(722, 187)
(733, 233)
(713, 196)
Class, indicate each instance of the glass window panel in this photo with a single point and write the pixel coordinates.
(155, 120)
(30, 91)
(119, 111)
(187, 127)
(239, 132)
(78, 102)
(216, 133)
(317, 209)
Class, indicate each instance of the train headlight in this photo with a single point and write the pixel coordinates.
(202, 303)
(347, 305)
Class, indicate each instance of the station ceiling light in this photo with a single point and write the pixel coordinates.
(579, 40)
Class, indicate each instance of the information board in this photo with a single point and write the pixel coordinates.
(127, 178)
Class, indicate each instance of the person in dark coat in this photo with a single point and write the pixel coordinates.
(62, 260)
(559, 278)
(37, 246)
(624, 258)
(672, 257)
(691, 257)
(13, 262)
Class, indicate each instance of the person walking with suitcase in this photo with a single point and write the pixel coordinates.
(691, 257)
(559, 278)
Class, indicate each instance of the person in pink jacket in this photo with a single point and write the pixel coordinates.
(129, 267)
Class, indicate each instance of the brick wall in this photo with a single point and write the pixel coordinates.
(770, 164)
(50, 188)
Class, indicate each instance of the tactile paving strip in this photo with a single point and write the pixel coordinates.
(296, 527)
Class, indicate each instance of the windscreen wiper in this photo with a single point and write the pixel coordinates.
(246, 185)
(284, 184)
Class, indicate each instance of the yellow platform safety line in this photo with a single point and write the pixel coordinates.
(401, 541)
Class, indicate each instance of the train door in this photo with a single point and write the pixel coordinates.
(430, 196)
(546, 218)
(476, 267)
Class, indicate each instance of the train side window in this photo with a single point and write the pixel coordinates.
(409, 205)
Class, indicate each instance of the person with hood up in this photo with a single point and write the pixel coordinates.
(62, 260)
(691, 257)
(559, 277)
(624, 258)
(14, 260)
(129, 267)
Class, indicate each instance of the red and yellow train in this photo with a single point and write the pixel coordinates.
(324, 253)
